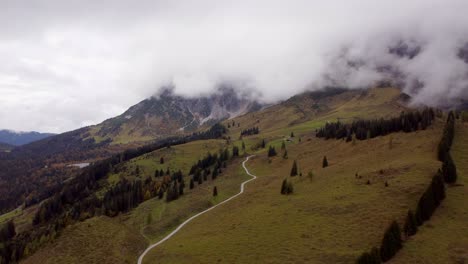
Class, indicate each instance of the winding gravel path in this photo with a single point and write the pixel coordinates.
(140, 259)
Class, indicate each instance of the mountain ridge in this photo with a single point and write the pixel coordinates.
(19, 138)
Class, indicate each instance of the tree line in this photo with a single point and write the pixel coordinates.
(76, 200)
(250, 131)
(365, 129)
(427, 204)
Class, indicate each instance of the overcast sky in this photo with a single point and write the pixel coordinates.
(67, 64)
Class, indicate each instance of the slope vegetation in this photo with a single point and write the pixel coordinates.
(444, 238)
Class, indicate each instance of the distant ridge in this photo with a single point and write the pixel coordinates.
(18, 138)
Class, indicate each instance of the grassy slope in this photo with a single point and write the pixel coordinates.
(97, 240)
(312, 224)
(329, 219)
(444, 239)
(131, 230)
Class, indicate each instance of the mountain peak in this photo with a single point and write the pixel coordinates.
(168, 113)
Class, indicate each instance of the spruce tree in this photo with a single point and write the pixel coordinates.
(285, 154)
(271, 151)
(192, 184)
(391, 242)
(215, 191)
(294, 169)
(411, 226)
(449, 170)
(161, 160)
(263, 143)
(283, 186)
(324, 162)
(292, 134)
(243, 146)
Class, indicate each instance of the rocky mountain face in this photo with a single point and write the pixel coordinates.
(169, 114)
(21, 138)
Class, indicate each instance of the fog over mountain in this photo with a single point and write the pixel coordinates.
(67, 64)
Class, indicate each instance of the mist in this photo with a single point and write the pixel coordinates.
(67, 64)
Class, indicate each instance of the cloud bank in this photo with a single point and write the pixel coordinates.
(66, 64)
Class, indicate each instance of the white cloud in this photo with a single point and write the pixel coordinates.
(66, 64)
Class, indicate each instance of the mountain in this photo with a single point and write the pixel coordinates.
(21, 138)
(170, 114)
(5, 147)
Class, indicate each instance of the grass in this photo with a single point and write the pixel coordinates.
(330, 219)
(96, 240)
(444, 238)
(177, 157)
(81, 243)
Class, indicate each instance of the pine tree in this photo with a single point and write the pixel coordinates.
(284, 186)
(285, 154)
(391, 242)
(372, 257)
(215, 172)
(200, 180)
(292, 134)
(324, 162)
(411, 226)
(192, 184)
(161, 160)
(449, 169)
(289, 188)
(271, 151)
(156, 174)
(294, 169)
(235, 151)
(215, 191)
(243, 146)
(263, 143)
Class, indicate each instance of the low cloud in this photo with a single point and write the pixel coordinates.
(74, 63)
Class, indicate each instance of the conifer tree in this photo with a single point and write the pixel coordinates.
(324, 162)
(192, 184)
(294, 169)
(214, 174)
(156, 173)
(161, 160)
(263, 143)
(284, 186)
(215, 191)
(200, 180)
(411, 226)
(449, 169)
(285, 154)
(271, 151)
(391, 242)
(292, 134)
(243, 146)
(235, 151)
(283, 145)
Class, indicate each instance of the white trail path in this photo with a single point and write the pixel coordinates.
(140, 259)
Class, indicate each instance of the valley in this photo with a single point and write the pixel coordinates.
(334, 213)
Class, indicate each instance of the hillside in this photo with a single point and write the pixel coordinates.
(21, 138)
(333, 215)
(5, 147)
(170, 114)
(444, 238)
